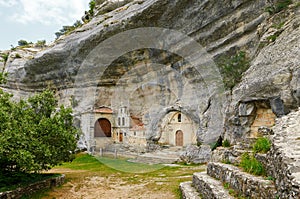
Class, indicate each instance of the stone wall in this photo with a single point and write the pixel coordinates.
(244, 183)
(282, 161)
(264, 117)
(25, 191)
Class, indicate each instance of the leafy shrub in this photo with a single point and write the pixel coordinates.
(226, 143)
(262, 145)
(22, 42)
(34, 134)
(40, 43)
(5, 57)
(270, 178)
(279, 6)
(92, 5)
(17, 56)
(67, 29)
(233, 68)
(251, 165)
(3, 77)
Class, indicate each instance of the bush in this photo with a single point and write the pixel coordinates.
(67, 29)
(92, 5)
(40, 43)
(22, 42)
(17, 56)
(34, 134)
(251, 165)
(262, 145)
(279, 6)
(233, 68)
(5, 57)
(226, 143)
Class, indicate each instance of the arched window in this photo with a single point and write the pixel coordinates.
(179, 117)
(119, 121)
(123, 121)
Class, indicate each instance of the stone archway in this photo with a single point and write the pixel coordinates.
(179, 138)
(102, 128)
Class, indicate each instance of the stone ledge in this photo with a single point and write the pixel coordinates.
(243, 183)
(209, 188)
(45, 184)
(188, 191)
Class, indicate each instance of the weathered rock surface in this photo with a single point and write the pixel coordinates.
(188, 191)
(283, 160)
(209, 187)
(220, 27)
(272, 81)
(243, 183)
(197, 155)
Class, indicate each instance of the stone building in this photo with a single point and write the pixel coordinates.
(104, 126)
(178, 130)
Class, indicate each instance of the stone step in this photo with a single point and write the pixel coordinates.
(243, 183)
(188, 191)
(209, 187)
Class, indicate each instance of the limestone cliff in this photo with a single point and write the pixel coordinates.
(93, 67)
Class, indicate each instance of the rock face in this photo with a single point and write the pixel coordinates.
(272, 81)
(117, 60)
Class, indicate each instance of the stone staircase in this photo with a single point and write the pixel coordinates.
(282, 163)
(227, 181)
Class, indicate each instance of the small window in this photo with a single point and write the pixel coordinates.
(179, 117)
(119, 121)
(134, 133)
(123, 121)
(124, 134)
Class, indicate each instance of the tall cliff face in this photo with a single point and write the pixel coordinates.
(272, 81)
(170, 67)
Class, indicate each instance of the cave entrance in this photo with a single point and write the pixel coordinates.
(179, 138)
(102, 128)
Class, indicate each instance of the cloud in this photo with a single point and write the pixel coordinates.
(50, 12)
(8, 3)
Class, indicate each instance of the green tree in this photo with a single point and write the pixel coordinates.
(92, 5)
(34, 134)
(22, 42)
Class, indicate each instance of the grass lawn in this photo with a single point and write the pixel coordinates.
(93, 177)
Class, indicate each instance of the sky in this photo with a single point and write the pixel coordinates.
(34, 20)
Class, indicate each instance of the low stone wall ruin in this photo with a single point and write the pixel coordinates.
(23, 191)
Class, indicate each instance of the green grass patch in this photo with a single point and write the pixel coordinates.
(262, 145)
(226, 143)
(131, 167)
(157, 178)
(251, 165)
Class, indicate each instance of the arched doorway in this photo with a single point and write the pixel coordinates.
(179, 138)
(102, 128)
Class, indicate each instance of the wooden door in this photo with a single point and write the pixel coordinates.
(179, 138)
(121, 137)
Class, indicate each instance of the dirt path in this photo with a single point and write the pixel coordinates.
(87, 185)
